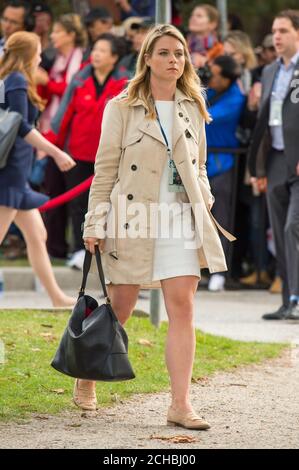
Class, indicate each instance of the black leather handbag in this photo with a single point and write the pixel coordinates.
(94, 345)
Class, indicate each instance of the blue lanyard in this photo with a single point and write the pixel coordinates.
(163, 132)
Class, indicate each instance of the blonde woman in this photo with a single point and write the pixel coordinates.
(153, 151)
(238, 45)
(18, 202)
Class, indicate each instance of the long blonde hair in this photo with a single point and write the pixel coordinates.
(242, 43)
(20, 50)
(188, 83)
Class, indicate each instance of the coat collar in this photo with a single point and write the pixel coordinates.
(151, 126)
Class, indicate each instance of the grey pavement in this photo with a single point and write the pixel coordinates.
(233, 314)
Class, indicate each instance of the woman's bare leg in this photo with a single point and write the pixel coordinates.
(180, 345)
(7, 215)
(32, 227)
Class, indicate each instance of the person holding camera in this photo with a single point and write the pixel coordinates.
(225, 104)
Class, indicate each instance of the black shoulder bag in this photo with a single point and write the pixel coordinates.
(94, 345)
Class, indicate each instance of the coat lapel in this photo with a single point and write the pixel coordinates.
(269, 81)
(295, 76)
(179, 126)
(151, 127)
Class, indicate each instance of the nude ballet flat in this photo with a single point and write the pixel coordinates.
(84, 398)
(188, 420)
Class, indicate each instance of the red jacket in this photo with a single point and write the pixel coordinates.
(82, 120)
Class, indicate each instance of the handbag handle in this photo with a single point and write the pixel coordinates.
(86, 268)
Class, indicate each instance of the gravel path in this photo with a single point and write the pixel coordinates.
(255, 406)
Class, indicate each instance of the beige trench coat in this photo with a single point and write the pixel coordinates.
(130, 161)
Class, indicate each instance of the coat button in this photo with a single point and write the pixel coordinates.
(133, 167)
(187, 119)
(130, 197)
(193, 161)
(126, 226)
(181, 114)
(188, 135)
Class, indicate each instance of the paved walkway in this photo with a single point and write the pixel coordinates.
(234, 314)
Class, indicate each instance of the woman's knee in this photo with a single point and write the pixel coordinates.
(122, 314)
(180, 310)
(39, 236)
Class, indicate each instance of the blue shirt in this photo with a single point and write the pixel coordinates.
(221, 132)
(279, 91)
(143, 8)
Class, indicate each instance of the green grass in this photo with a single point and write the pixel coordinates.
(29, 385)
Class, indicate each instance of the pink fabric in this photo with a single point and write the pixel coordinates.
(63, 68)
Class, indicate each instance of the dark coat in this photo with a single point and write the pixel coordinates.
(261, 140)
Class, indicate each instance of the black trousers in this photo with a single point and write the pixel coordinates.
(283, 206)
(56, 220)
(222, 187)
(77, 208)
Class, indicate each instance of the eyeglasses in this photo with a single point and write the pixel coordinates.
(12, 22)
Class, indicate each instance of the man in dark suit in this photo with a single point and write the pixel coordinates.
(274, 156)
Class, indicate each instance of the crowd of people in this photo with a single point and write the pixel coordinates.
(87, 61)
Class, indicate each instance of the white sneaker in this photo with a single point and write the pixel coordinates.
(77, 260)
(216, 283)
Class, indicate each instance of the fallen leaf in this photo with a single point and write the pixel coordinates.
(179, 439)
(35, 349)
(59, 391)
(116, 398)
(41, 417)
(200, 380)
(75, 425)
(48, 336)
(145, 342)
(47, 326)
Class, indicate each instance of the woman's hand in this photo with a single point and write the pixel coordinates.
(254, 96)
(124, 5)
(41, 77)
(90, 243)
(198, 60)
(64, 161)
(259, 183)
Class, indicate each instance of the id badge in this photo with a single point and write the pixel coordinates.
(175, 184)
(275, 113)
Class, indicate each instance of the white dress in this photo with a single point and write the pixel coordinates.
(173, 255)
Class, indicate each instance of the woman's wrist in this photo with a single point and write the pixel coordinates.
(54, 152)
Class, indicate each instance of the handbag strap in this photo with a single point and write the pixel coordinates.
(86, 268)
